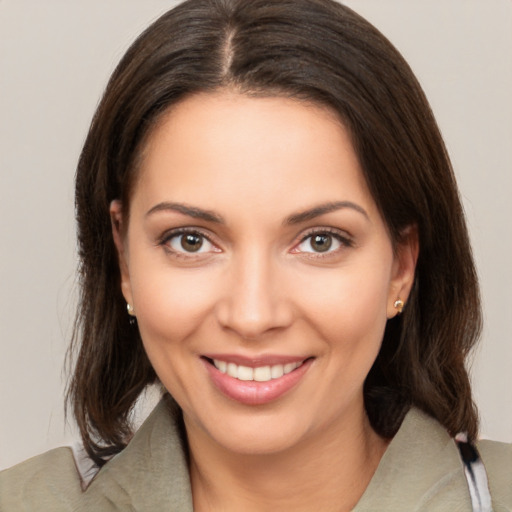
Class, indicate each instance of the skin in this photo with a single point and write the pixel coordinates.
(258, 286)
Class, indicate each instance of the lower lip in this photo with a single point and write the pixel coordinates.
(252, 392)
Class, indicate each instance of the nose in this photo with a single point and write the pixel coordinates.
(254, 301)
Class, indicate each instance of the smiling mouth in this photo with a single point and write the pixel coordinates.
(258, 374)
(255, 381)
(263, 373)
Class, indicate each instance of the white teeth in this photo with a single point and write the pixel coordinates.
(258, 374)
(222, 366)
(290, 367)
(277, 371)
(262, 373)
(232, 370)
(245, 373)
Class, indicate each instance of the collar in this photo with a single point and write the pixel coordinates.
(420, 469)
(151, 473)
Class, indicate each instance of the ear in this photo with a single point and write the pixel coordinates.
(404, 267)
(119, 234)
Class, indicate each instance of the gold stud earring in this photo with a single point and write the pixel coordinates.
(130, 310)
(399, 305)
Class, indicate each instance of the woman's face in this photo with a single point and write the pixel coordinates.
(259, 268)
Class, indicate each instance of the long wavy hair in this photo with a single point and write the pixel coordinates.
(314, 50)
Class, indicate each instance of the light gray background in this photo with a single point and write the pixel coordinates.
(55, 58)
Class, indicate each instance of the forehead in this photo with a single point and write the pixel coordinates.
(214, 147)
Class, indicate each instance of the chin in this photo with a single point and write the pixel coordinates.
(257, 433)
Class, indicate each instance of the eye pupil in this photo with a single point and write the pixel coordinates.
(191, 242)
(321, 243)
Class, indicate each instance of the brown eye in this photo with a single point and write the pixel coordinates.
(321, 242)
(191, 242)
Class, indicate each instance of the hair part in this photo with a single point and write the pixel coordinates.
(317, 51)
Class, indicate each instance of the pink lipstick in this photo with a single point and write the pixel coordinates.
(255, 381)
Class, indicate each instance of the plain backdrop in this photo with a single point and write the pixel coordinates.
(55, 58)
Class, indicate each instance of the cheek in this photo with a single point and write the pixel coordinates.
(171, 305)
(349, 305)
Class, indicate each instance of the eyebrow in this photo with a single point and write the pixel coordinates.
(322, 209)
(191, 211)
(296, 218)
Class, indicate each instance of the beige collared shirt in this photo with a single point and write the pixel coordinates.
(420, 471)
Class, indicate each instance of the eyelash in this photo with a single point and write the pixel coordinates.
(169, 235)
(344, 239)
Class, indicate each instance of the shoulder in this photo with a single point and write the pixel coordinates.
(151, 473)
(47, 482)
(497, 458)
(421, 470)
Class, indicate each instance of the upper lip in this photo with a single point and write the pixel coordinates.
(256, 361)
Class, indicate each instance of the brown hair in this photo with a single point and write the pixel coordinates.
(319, 51)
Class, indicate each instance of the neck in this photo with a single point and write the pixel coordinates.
(330, 475)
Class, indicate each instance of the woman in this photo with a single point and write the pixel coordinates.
(262, 207)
